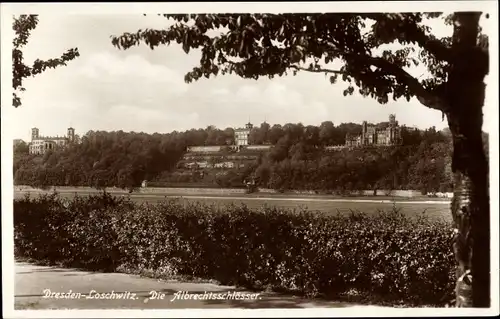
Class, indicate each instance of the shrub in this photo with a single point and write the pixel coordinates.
(387, 254)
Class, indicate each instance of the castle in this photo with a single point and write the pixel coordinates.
(243, 134)
(241, 138)
(372, 136)
(201, 156)
(41, 144)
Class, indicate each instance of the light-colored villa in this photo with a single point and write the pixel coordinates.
(41, 144)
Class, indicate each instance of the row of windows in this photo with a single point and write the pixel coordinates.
(42, 142)
(41, 147)
(242, 134)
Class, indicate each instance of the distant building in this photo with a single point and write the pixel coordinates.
(41, 144)
(18, 141)
(204, 149)
(242, 135)
(334, 147)
(259, 147)
(199, 156)
(371, 135)
(226, 164)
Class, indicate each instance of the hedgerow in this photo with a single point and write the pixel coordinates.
(387, 254)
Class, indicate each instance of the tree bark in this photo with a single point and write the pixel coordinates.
(470, 210)
(470, 205)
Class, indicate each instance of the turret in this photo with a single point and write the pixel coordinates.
(363, 132)
(35, 133)
(71, 134)
(392, 120)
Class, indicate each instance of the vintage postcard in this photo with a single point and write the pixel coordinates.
(327, 159)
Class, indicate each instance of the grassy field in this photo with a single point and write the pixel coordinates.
(433, 208)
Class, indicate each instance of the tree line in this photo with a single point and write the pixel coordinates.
(298, 160)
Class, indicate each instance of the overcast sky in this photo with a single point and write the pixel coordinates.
(144, 90)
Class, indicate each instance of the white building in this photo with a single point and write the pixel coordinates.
(242, 135)
(41, 144)
(259, 147)
(203, 149)
(224, 165)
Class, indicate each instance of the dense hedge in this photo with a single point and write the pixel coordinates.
(386, 255)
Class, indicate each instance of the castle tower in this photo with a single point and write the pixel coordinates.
(392, 129)
(71, 134)
(363, 132)
(392, 120)
(35, 133)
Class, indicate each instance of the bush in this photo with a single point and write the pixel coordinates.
(387, 255)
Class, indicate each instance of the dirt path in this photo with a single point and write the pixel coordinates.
(42, 287)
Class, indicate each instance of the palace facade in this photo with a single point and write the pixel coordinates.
(242, 135)
(41, 144)
(371, 135)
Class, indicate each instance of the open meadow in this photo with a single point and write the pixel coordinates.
(433, 208)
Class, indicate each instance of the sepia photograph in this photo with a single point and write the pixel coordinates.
(250, 159)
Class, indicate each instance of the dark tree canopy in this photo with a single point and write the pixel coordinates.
(256, 45)
(23, 26)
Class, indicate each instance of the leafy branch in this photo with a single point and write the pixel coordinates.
(23, 26)
(255, 45)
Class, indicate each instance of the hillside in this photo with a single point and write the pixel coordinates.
(296, 160)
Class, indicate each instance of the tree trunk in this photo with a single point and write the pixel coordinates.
(470, 209)
(470, 205)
